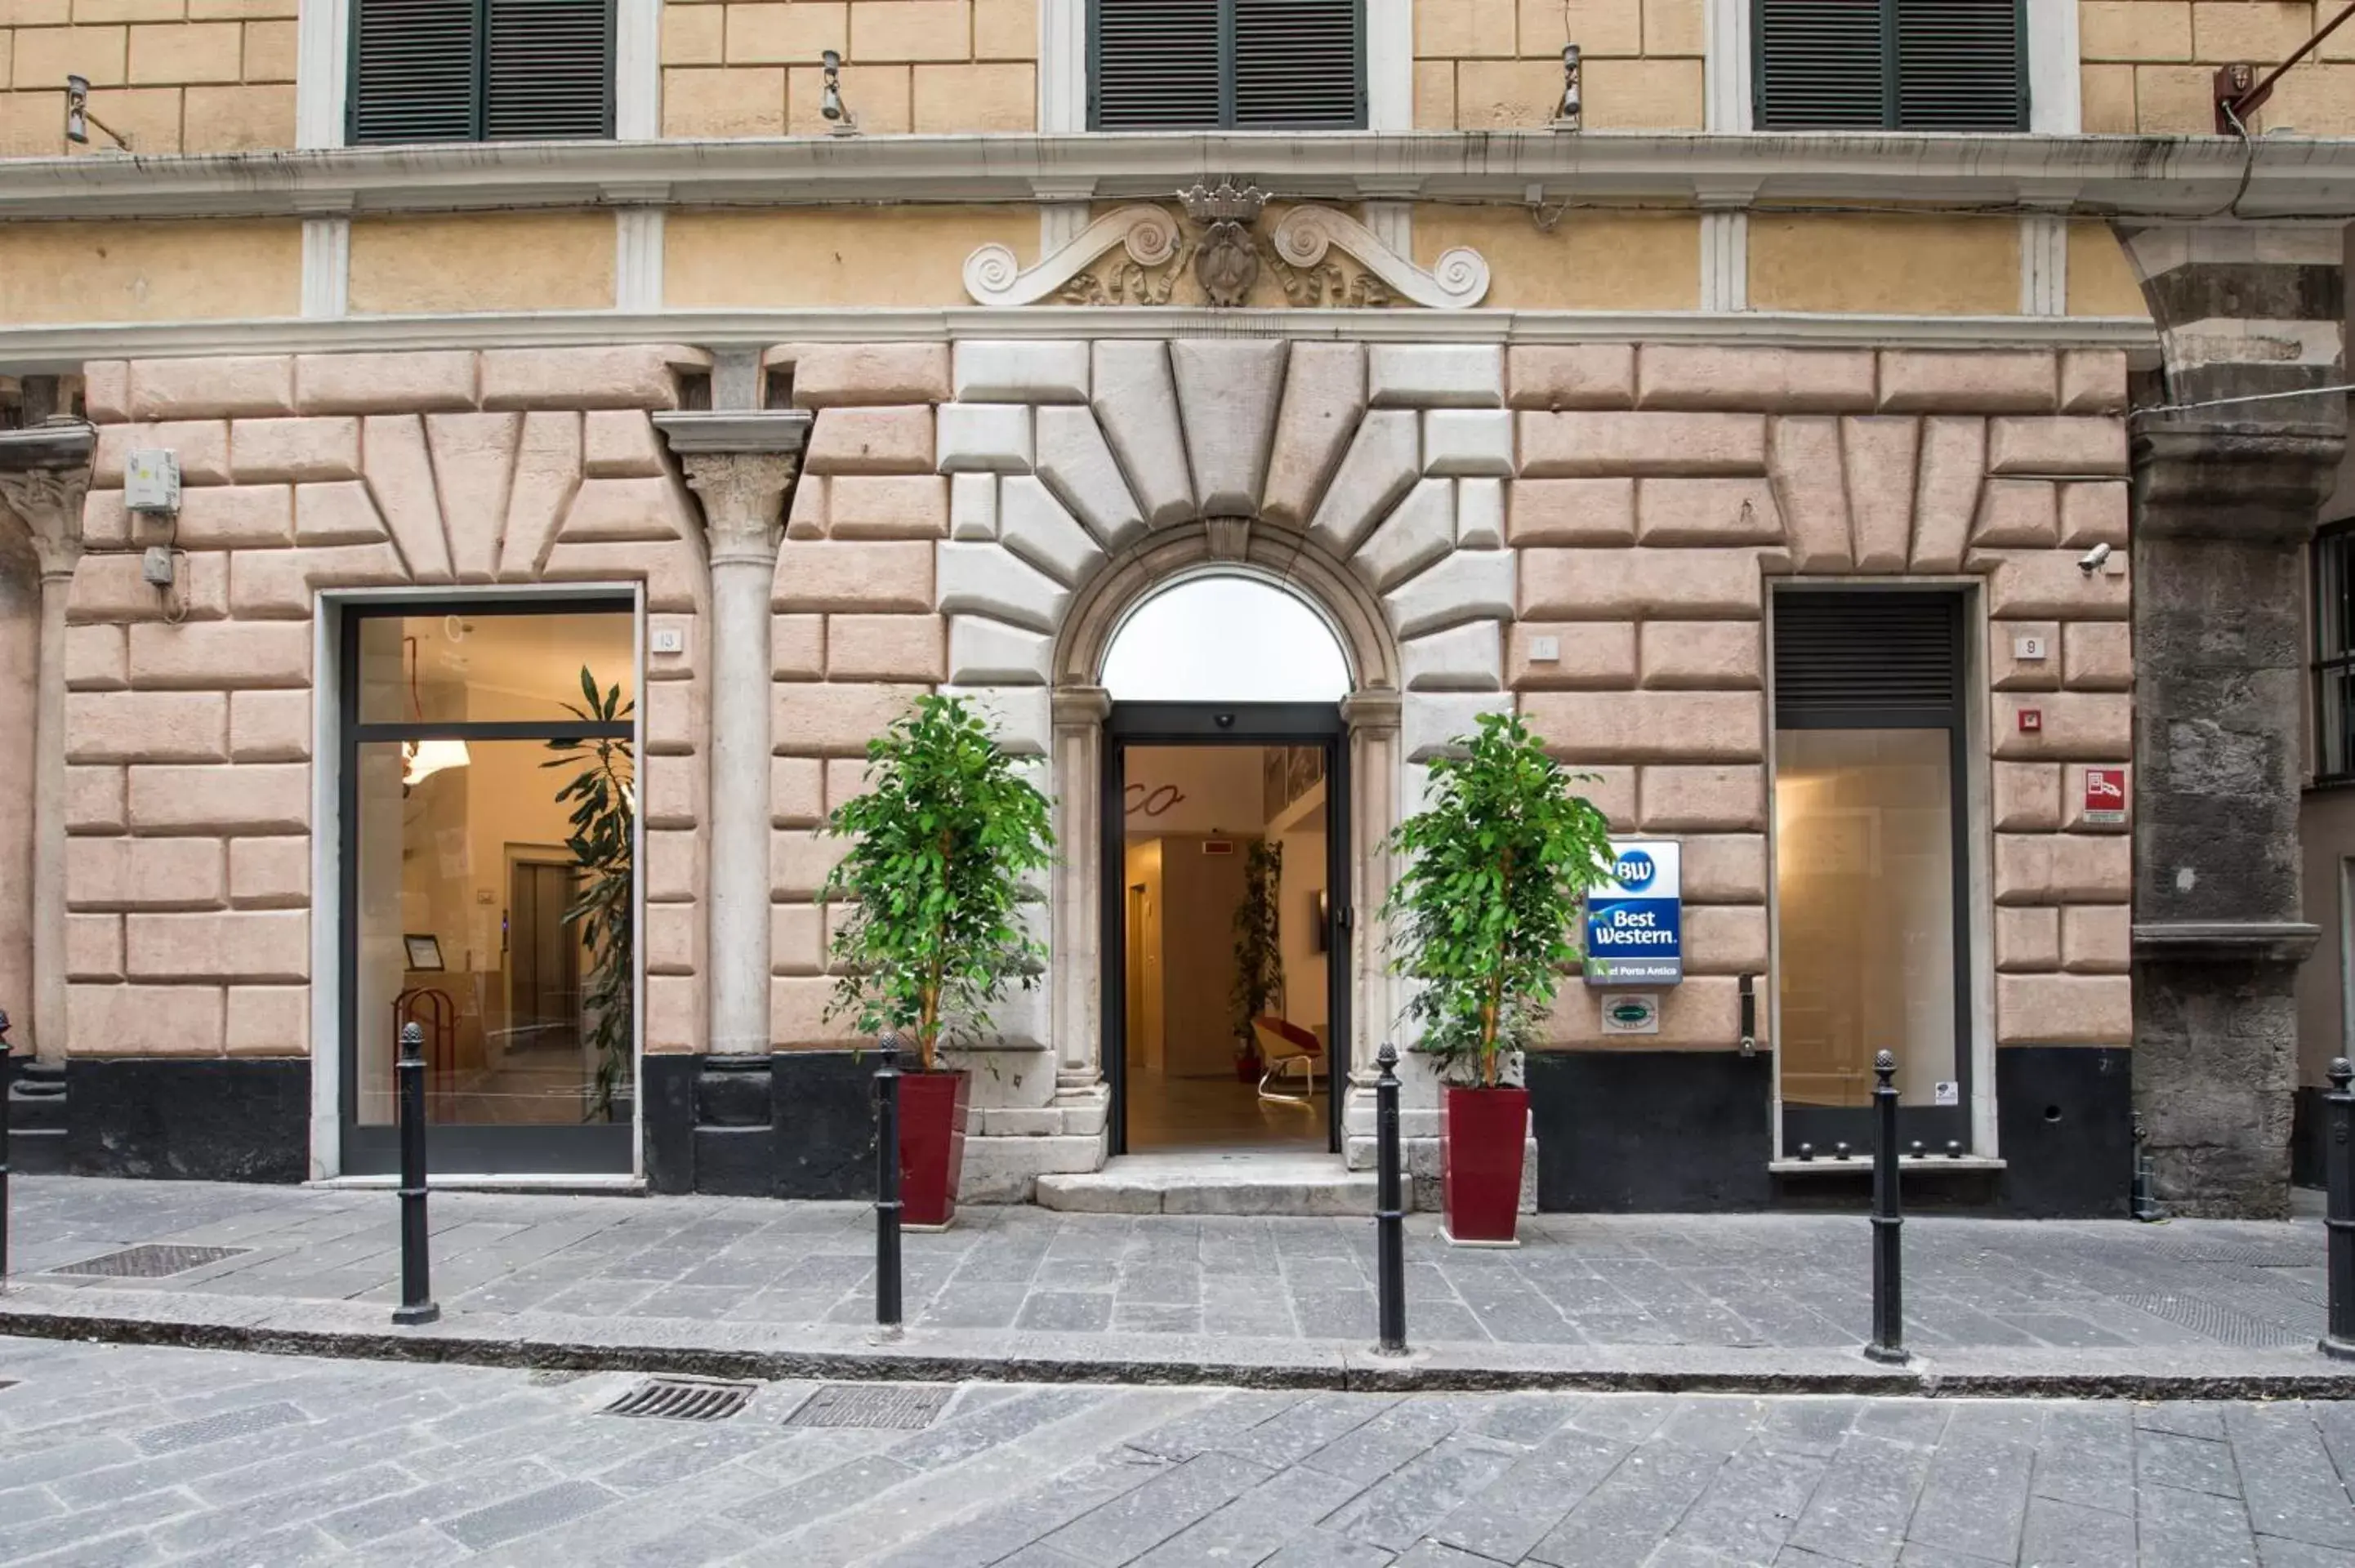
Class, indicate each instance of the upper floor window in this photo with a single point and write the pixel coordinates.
(1895, 65)
(2334, 653)
(481, 70)
(1252, 65)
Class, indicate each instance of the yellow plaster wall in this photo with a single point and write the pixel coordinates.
(173, 76)
(126, 271)
(2101, 281)
(750, 68)
(1894, 263)
(482, 261)
(899, 256)
(2147, 64)
(1590, 261)
(1490, 65)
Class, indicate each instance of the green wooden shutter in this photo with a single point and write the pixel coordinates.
(1297, 64)
(414, 66)
(1155, 65)
(1174, 65)
(1820, 65)
(1961, 66)
(1911, 64)
(548, 70)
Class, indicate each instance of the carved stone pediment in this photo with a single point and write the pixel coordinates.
(1321, 257)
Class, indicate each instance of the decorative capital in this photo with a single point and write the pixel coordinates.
(50, 499)
(1079, 707)
(1376, 710)
(743, 496)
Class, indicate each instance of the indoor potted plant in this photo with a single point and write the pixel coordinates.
(940, 843)
(1259, 952)
(1494, 868)
(599, 832)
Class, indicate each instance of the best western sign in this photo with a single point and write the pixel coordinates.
(1634, 922)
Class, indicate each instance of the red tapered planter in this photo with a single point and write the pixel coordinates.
(932, 1108)
(1481, 1134)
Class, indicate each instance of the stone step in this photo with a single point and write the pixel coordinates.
(1214, 1181)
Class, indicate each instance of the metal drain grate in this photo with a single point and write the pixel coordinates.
(871, 1405)
(682, 1399)
(2219, 1321)
(149, 1260)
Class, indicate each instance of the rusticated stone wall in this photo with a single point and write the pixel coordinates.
(191, 718)
(1634, 503)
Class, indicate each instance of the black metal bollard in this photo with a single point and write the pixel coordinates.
(7, 1085)
(416, 1288)
(1389, 1208)
(1887, 1286)
(2338, 1218)
(887, 1186)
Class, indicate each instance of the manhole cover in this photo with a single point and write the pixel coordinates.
(682, 1399)
(870, 1404)
(149, 1261)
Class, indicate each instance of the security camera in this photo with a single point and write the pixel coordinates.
(2091, 561)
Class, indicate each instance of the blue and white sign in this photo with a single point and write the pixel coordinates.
(1634, 922)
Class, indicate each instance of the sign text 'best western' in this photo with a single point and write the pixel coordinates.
(1634, 922)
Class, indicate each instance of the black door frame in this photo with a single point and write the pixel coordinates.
(1825, 1126)
(453, 1149)
(1224, 724)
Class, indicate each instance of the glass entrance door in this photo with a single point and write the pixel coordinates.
(488, 834)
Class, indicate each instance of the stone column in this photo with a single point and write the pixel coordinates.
(2225, 496)
(50, 501)
(743, 496)
(1076, 922)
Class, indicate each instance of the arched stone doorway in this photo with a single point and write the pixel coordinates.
(1358, 689)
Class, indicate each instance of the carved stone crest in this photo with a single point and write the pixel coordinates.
(1226, 262)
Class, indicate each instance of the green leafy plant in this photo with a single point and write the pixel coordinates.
(1259, 957)
(940, 844)
(603, 794)
(1495, 868)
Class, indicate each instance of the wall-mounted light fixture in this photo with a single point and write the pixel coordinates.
(1566, 118)
(78, 119)
(830, 103)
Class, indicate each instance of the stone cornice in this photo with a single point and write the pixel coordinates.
(2156, 177)
(65, 348)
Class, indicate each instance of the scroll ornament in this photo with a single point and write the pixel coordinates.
(1301, 241)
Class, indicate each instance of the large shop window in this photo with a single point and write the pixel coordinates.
(1870, 858)
(1895, 65)
(2334, 653)
(1252, 65)
(481, 70)
(488, 881)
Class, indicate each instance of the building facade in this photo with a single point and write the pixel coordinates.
(1886, 467)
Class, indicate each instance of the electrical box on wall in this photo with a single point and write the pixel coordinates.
(150, 481)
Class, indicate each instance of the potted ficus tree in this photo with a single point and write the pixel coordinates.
(1259, 952)
(603, 797)
(940, 843)
(1494, 868)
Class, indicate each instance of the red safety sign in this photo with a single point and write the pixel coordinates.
(2106, 796)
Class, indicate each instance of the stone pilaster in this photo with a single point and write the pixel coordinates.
(2226, 490)
(49, 502)
(743, 496)
(1077, 919)
(1373, 717)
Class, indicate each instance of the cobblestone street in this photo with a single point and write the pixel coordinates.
(124, 1455)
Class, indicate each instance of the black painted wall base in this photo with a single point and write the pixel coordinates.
(2307, 1147)
(793, 1124)
(1688, 1132)
(211, 1119)
(1651, 1131)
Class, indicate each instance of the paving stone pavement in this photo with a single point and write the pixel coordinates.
(126, 1456)
(1793, 1282)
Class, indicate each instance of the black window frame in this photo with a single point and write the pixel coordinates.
(373, 1148)
(1890, 110)
(2331, 576)
(1825, 1126)
(478, 98)
(1226, 74)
